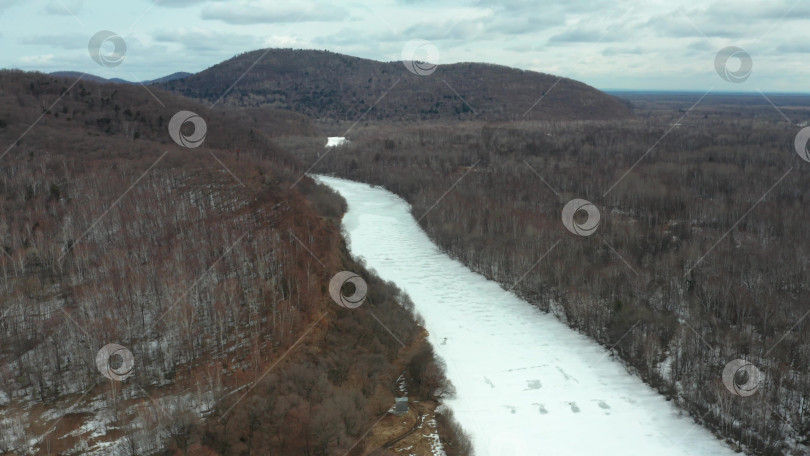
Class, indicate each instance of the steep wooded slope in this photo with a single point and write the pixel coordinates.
(204, 263)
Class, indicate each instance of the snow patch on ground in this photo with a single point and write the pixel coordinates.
(13, 432)
(436, 447)
(402, 384)
(334, 141)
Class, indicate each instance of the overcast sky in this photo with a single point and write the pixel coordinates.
(608, 44)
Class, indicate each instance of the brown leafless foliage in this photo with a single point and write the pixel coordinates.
(334, 87)
(699, 180)
(112, 233)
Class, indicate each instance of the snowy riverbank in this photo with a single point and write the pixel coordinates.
(526, 383)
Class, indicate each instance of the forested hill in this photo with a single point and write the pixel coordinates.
(205, 263)
(327, 85)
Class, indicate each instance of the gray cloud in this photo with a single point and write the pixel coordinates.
(343, 37)
(521, 25)
(524, 48)
(737, 19)
(450, 30)
(643, 48)
(66, 41)
(616, 51)
(179, 3)
(751, 11)
(701, 45)
(677, 25)
(801, 47)
(585, 35)
(63, 7)
(5, 4)
(203, 40)
(577, 36)
(537, 9)
(255, 12)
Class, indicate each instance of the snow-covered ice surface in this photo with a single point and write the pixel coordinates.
(526, 383)
(333, 141)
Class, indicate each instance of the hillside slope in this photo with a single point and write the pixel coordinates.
(204, 263)
(327, 85)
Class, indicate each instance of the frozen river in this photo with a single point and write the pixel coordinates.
(526, 383)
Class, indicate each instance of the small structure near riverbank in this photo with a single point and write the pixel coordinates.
(401, 406)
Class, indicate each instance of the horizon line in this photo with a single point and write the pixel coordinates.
(606, 90)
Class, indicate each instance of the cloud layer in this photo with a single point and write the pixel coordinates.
(608, 44)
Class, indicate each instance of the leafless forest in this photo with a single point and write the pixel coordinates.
(211, 265)
(701, 256)
(205, 263)
(327, 85)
